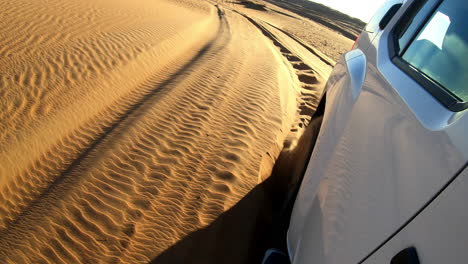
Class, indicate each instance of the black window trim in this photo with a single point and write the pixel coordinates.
(389, 15)
(444, 96)
(385, 19)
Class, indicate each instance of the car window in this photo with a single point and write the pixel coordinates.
(440, 49)
(416, 16)
(430, 44)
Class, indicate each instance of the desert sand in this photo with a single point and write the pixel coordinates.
(146, 131)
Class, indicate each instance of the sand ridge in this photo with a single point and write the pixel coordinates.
(309, 83)
(121, 135)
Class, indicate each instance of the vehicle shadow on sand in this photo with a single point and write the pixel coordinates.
(257, 222)
(240, 235)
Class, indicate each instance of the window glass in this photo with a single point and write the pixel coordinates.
(440, 50)
(418, 15)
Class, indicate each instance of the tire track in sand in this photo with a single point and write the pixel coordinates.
(310, 82)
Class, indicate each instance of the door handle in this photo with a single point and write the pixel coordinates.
(406, 256)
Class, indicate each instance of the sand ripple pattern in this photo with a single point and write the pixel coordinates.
(162, 157)
(56, 98)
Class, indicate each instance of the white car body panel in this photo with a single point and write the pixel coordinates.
(439, 233)
(384, 149)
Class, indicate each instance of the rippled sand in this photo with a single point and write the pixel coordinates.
(127, 125)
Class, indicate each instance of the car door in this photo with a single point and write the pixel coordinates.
(437, 234)
(389, 142)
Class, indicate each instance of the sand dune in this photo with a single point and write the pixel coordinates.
(125, 126)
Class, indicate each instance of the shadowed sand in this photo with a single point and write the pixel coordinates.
(127, 126)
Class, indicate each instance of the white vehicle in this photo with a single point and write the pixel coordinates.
(387, 181)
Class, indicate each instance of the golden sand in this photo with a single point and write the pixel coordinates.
(127, 125)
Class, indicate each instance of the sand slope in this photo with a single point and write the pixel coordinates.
(125, 126)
